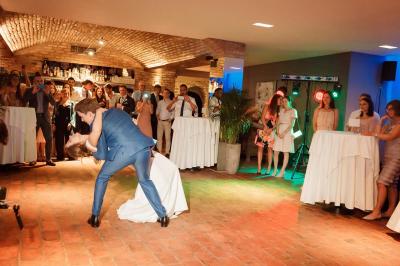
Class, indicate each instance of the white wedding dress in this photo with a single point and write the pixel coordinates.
(165, 176)
(394, 221)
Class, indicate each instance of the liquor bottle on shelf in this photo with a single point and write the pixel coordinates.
(45, 69)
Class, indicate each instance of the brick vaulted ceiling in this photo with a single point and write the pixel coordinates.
(34, 34)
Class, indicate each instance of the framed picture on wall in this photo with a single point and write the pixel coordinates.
(264, 91)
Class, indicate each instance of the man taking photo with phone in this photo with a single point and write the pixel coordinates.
(39, 97)
(183, 105)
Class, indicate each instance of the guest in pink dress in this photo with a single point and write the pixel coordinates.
(145, 109)
(326, 116)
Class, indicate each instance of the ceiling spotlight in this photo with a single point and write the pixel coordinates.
(385, 46)
(263, 25)
(102, 42)
(90, 52)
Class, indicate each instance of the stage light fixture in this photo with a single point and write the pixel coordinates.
(318, 94)
(296, 89)
(337, 88)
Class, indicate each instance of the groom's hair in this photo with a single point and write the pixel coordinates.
(87, 105)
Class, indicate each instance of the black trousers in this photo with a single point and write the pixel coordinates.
(62, 137)
(154, 123)
(43, 122)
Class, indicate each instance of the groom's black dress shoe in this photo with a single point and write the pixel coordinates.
(94, 221)
(164, 221)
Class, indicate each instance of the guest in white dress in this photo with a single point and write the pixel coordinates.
(369, 120)
(326, 116)
(284, 140)
(357, 113)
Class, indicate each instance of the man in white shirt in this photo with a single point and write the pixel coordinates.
(111, 96)
(164, 122)
(214, 105)
(183, 105)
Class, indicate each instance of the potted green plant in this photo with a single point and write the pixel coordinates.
(233, 123)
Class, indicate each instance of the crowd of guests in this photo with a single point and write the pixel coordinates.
(278, 119)
(153, 111)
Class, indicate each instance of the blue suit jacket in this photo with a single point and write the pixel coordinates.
(119, 132)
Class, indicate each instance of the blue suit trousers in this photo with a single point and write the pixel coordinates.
(123, 158)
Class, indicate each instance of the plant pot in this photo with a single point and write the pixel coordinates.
(232, 152)
(221, 159)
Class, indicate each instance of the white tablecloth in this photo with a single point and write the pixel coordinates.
(195, 142)
(342, 168)
(21, 125)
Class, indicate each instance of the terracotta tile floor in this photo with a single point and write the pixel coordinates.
(233, 220)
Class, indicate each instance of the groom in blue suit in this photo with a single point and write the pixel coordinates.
(117, 140)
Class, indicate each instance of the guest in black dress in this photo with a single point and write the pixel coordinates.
(62, 119)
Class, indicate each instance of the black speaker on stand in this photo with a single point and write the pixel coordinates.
(389, 71)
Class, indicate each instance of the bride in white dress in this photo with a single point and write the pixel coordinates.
(166, 178)
(394, 221)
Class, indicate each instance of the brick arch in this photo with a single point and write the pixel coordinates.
(22, 31)
(60, 51)
(202, 92)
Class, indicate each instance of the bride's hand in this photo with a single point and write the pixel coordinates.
(73, 140)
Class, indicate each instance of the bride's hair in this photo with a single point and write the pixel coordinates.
(78, 151)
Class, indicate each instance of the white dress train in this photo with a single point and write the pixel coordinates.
(394, 221)
(166, 177)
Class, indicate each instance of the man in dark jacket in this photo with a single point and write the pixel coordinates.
(125, 102)
(154, 99)
(39, 97)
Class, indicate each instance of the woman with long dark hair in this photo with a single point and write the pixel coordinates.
(265, 136)
(368, 121)
(326, 115)
(389, 175)
(12, 95)
(101, 97)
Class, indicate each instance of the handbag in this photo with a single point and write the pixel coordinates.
(298, 133)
